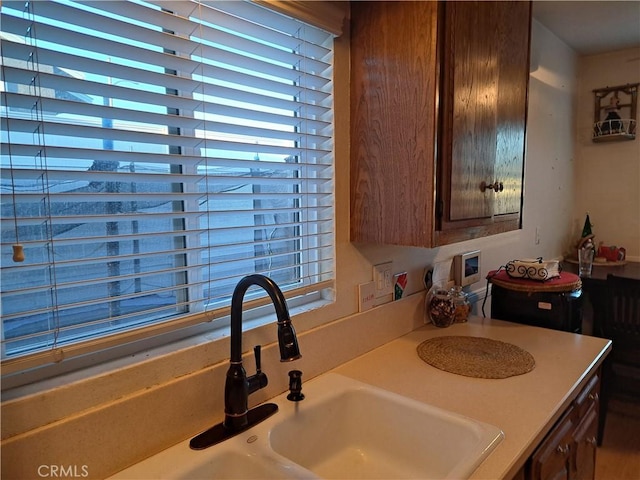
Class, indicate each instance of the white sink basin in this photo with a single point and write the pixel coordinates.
(240, 457)
(343, 429)
(357, 431)
(236, 465)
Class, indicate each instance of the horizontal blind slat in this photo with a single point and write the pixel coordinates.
(322, 238)
(257, 176)
(68, 153)
(27, 294)
(248, 20)
(327, 15)
(59, 83)
(147, 138)
(258, 14)
(127, 119)
(64, 36)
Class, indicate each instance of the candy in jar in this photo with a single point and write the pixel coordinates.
(440, 308)
(461, 304)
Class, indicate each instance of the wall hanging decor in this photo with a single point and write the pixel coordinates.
(615, 111)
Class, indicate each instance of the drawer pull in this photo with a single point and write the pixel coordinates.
(594, 397)
(592, 441)
(563, 449)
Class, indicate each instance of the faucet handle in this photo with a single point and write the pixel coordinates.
(257, 354)
(258, 380)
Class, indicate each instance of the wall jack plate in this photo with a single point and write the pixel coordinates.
(383, 279)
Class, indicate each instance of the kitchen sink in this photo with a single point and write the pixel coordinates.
(343, 429)
(357, 431)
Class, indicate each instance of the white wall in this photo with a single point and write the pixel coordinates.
(550, 156)
(607, 175)
(139, 405)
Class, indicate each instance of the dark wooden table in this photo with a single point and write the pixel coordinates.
(600, 271)
(594, 287)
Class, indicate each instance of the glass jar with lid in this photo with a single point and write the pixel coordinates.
(439, 307)
(461, 303)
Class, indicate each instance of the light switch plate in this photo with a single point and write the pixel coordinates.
(383, 279)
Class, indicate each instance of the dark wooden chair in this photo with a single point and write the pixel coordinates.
(621, 324)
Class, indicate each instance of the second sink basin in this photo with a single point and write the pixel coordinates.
(353, 430)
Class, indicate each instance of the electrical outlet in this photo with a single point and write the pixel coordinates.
(383, 279)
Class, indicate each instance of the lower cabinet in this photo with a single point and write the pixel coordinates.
(585, 441)
(569, 449)
(552, 459)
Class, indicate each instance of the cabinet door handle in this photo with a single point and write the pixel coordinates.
(592, 441)
(563, 449)
(594, 396)
(495, 186)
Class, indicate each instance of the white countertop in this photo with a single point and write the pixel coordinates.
(525, 407)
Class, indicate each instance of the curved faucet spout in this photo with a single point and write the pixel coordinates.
(238, 387)
(287, 340)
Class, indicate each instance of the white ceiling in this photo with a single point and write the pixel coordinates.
(591, 27)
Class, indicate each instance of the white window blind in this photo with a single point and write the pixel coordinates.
(328, 15)
(154, 153)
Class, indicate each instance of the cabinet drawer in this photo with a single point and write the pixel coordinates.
(589, 397)
(552, 459)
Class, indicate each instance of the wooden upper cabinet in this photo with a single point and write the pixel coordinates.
(484, 97)
(470, 97)
(394, 75)
(438, 109)
(513, 82)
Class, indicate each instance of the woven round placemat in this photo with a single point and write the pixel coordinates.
(476, 356)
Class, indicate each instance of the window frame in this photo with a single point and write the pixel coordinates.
(204, 321)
